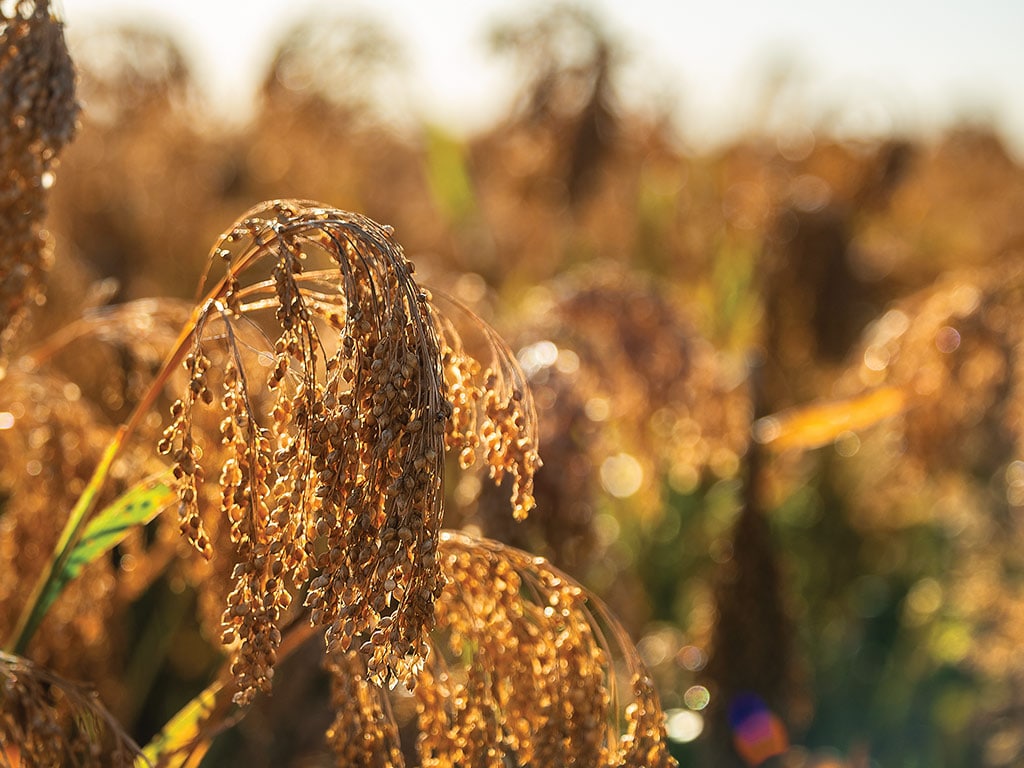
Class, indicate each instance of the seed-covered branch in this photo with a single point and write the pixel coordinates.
(527, 670)
(330, 378)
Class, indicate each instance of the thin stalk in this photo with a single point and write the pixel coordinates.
(31, 615)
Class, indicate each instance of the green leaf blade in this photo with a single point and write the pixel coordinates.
(136, 507)
(185, 737)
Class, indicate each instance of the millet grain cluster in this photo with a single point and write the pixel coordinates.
(334, 490)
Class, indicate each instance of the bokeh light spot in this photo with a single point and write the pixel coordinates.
(683, 725)
(692, 658)
(947, 339)
(607, 529)
(697, 697)
(621, 475)
(810, 193)
(767, 429)
(951, 643)
(925, 597)
(876, 358)
(1015, 483)
(470, 288)
(847, 444)
(796, 144)
(597, 409)
(890, 326)
(537, 357)
(568, 361)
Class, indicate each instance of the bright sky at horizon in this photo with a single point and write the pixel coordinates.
(873, 66)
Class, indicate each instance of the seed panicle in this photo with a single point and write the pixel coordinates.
(331, 459)
(527, 672)
(37, 119)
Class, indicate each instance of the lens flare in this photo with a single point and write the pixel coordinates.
(758, 733)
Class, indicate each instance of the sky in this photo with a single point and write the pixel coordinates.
(872, 65)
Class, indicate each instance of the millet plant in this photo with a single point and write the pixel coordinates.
(314, 391)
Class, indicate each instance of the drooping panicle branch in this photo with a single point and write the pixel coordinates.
(493, 410)
(330, 378)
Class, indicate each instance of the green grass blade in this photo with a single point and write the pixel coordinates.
(107, 529)
(186, 737)
(138, 506)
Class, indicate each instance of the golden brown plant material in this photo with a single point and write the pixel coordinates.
(955, 353)
(47, 720)
(493, 411)
(37, 118)
(664, 384)
(523, 670)
(363, 735)
(52, 436)
(616, 368)
(335, 412)
(51, 441)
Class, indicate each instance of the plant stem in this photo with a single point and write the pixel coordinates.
(32, 615)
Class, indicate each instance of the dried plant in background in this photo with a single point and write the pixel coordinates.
(52, 440)
(332, 65)
(138, 154)
(332, 123)
(657, 377)
(128, 71)
(951, 351)
(957, 208)
(37, 110)
(954, 354)
(632, 400)
(939, 373)
(568, 104)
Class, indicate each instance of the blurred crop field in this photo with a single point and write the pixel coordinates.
(779, 388)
